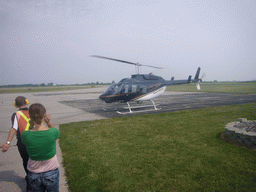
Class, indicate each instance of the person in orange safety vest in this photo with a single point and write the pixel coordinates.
(20, 123)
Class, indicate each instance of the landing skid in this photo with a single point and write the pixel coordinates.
(137, 107)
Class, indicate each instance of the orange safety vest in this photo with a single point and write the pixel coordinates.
(23, 120)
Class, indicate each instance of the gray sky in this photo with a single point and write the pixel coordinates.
(51, 40)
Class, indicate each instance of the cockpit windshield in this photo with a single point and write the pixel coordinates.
(114, 88)
(122, 81)
(110, 88)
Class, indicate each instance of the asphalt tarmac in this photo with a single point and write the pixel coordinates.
(84, 105)
(169, 101)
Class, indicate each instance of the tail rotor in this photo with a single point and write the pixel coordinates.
(198, 82)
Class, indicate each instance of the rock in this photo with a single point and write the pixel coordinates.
(242, 120)
(243, 131)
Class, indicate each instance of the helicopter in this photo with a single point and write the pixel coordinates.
(141, 87)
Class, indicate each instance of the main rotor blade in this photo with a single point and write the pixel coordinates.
(150, 66)
(137, 64)
(113, 59)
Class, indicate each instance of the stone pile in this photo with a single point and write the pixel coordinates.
(249, 126)
(243, 131)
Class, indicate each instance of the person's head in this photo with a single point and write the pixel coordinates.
(37, 113)
(20, 101)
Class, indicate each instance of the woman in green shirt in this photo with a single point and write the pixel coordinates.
(40, 141)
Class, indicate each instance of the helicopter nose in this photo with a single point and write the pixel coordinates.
(104, 98)
(101, 97)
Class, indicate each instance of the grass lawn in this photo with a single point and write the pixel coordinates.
(232, 87)
(177, 151)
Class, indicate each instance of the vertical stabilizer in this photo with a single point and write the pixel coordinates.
(197, 73)
(189, 78)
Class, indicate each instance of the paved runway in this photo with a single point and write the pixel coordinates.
(84, 105)
(169, 101)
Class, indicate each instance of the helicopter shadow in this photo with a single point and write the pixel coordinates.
(99, 107)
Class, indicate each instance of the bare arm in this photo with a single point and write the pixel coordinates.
(5, 146)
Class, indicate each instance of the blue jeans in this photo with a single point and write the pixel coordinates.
(48, 181)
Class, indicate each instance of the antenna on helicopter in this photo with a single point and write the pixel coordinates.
(137, 65)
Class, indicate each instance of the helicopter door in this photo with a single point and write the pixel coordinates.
(144, 90)
(126, 89)
(134, 88)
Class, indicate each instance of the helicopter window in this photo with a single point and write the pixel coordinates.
(144, 90)
(134, 88)
(123, 80)
(110, 88)
(151, 77)
(126, 88)
(118, 88)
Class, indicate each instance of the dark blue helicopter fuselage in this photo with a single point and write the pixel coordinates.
(133, 88)
(136, 88)
(141, 87)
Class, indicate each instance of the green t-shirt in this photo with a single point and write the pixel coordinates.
(40, 145)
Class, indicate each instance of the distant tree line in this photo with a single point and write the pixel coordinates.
(52, 84)
(98, 83)
(215, 81)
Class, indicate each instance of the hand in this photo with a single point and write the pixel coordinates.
(47, 118)
(47, 121)
(5, 147)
